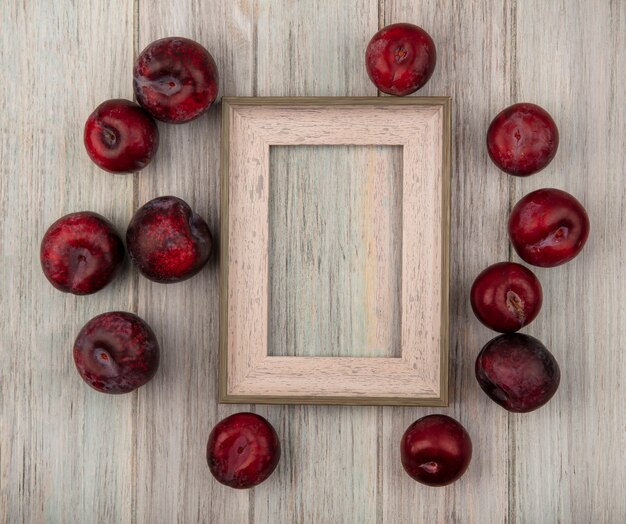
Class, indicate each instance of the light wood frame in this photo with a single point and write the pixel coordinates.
(247, 374)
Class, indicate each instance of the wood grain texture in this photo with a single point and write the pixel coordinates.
(335, 221)
(247, 373)
(69, 454)
(177, 409)
(62, 458)
(569, 463)
(315, 48)
(473, 68)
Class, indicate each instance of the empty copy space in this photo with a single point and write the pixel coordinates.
(335, 251)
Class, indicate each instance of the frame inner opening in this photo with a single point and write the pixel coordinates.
(335, 251)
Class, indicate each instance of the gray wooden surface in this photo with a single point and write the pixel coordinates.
(335, 278)
(69, 454)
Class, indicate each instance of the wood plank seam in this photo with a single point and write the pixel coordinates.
(511, 21)
(135, 295)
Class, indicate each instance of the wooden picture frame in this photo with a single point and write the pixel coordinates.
(247, 372)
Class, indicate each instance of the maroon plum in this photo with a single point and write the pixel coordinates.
(81, 253)
(506, 297)
(548, 227)
(522, 139)
(400, 59)
(120, 136)
(175, 79)
(435, 450)
(517, 372)
(116, 352)
(167, 241)
(243, 450)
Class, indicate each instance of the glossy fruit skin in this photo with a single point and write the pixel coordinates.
(435, 450)
(81, 253)
(548, 227)
(506, 297)
(167, 241)
(120, 136)
(175, 79)
(116, 352)
(517, 372)
(243, 450)
(522, 139)
(400, 59)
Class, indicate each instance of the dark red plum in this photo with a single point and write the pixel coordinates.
(243, 450)
(548, 227)
(517, 372)
(116, 352)
(81, 253)
(522, 139)
(506, 297)
(167, 241)
(175, 79)
(400, 59)
(435, 450)
(120, 136)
